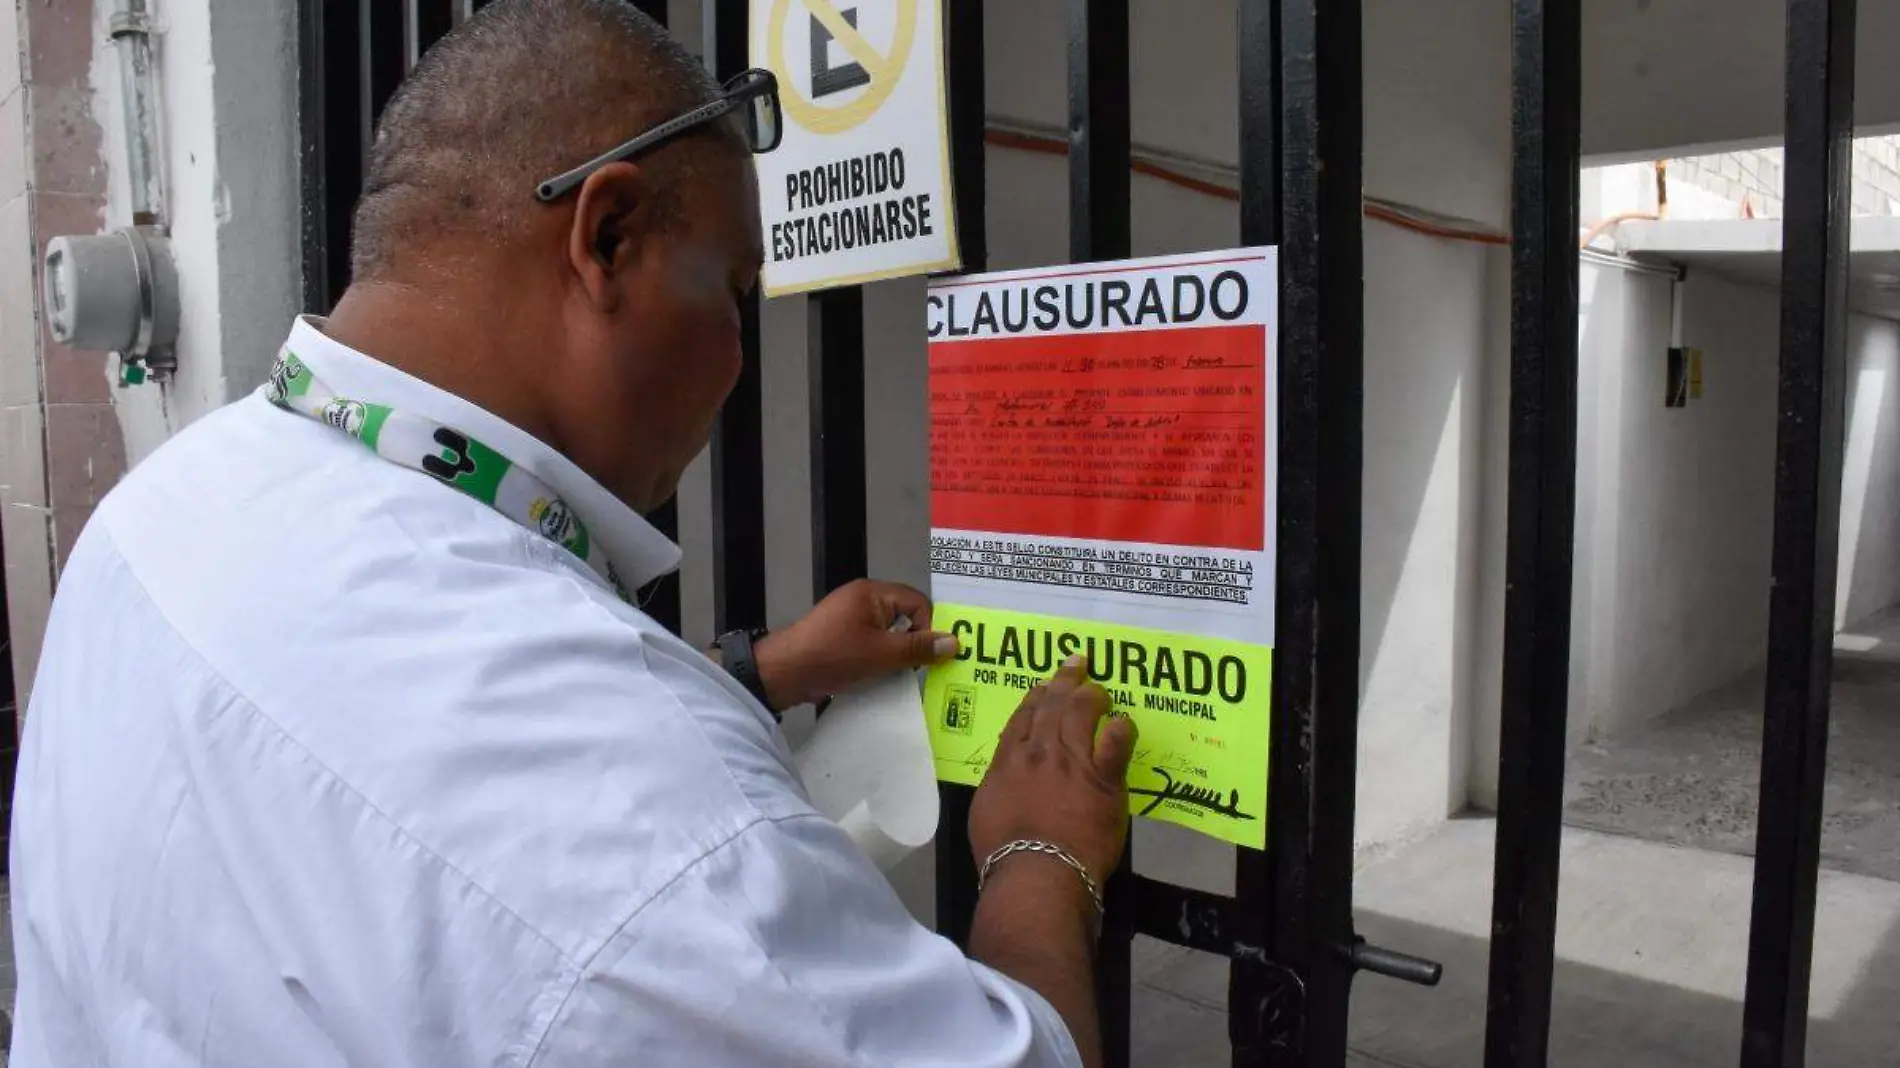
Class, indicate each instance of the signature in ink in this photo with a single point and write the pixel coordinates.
(1014, 404)
(1168, 760)
(1192, 796)
(1142, 422)
(976, 759)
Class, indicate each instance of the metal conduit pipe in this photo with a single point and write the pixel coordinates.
(130, 28)
(118, 291)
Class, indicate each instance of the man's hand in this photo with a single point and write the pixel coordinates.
(1058, 779)
(1055, 779)
(847, 640)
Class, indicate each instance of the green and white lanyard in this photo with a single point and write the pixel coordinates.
(446, 454)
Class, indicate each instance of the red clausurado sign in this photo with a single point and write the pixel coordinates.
(1153, 436)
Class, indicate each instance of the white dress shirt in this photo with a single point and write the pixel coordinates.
(330, 764)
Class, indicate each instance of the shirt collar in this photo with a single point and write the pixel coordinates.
(639, 552)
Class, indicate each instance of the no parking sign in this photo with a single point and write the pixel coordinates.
(859, 189)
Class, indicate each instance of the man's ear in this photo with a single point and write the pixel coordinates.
(613, 215)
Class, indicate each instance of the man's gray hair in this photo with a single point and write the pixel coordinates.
(524, 90)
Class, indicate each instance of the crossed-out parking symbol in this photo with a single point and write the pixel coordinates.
(876, 72)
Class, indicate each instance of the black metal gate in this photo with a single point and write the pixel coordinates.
(1288, 930)
(1547, 95)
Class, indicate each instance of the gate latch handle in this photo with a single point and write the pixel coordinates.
(1391, 962)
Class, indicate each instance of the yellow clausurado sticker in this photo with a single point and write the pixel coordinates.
(1201, 705)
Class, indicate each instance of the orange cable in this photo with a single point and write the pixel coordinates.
(1052, 146)
(1394, 218)
(1610, 223)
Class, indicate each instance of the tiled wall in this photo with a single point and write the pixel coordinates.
(1757, 175)
(60, 445)
(1877, 176)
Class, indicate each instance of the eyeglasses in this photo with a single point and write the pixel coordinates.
(753, 93)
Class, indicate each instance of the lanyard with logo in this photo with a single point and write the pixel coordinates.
(445, 453)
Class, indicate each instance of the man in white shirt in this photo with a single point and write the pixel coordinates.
(350, 745)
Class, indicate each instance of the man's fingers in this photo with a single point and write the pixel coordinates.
(1114, 747)
(1073, 672)
(1082, 711)
(1061, 699)
(903, 601)
(1022, 722)
(922, 648)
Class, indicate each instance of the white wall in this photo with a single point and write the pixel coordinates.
(1438, 106)
(1437, 100)
(1426, 349)
(1493, 531)
(1675, 505)
(1661, 76)
(1870, 478)
(227, 88)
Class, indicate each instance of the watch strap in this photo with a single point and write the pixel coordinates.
(737, 656)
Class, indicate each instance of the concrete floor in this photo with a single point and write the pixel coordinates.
(1652, 948)
(1652, 951)
(1653, 913)
(1692, 778)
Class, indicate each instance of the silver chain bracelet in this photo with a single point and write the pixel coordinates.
(1031, 845)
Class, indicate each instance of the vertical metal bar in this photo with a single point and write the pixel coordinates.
(381, 49)
(313, 153)
(411, 33)
(1099, 136)
(1250, 984)
(963, 47)
(381, 62)
(1810, 439)
(1316, 655)
(835, 361)
(964, 64)
(1259, 67)
(738, 448)
(1100, 223)
(1541, 514)
(662, 600)
(338, 146)
(384, 51)
(424, 23)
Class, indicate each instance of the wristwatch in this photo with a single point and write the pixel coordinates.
(737, 657)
